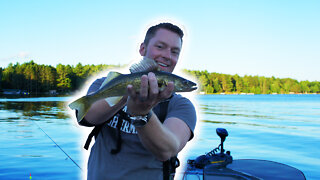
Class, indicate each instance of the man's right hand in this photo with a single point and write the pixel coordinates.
(149, 95)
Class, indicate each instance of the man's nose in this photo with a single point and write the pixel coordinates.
(167, 54)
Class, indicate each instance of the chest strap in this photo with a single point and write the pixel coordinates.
(97, 129)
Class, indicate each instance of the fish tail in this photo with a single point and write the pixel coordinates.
(81, 106)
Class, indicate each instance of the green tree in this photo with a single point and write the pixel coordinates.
(203, 79)
(1, 78)
(265, 86)
(32, 76)
(304, 86)
(295, 88)
(209, 89)
(63, 80)
(287, 83)
(246, 83)
(216, 85)
(315, 88)
(237, 83)
(275, 86)
(7, 76)
(226, 82)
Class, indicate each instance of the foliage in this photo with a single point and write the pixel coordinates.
(224, 83)
(35, 79)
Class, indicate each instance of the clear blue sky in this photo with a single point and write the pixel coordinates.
(278, 38)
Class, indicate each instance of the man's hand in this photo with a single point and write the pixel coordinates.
(149, 95)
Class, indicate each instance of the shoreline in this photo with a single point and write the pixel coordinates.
(3, 96)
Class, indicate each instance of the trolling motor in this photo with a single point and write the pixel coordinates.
(222, 133)
(214, 157)
(220, 165)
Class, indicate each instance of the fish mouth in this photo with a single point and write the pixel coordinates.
(193, 88)
(189, 89)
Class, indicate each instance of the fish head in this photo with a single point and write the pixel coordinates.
(180, 84)
(184, 85)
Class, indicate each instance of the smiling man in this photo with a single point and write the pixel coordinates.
(163, 46)
(138, 136)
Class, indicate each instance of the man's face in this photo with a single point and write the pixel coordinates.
(164, 48)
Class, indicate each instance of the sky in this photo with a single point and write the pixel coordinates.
(279, 38)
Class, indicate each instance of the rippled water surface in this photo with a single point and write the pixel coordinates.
(281, 128)
(39, 138)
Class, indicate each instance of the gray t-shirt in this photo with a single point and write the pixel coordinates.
(133, 161)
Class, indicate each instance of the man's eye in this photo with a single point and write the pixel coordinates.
(175, 52)
(159, 46)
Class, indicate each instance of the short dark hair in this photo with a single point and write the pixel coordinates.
(168, 26)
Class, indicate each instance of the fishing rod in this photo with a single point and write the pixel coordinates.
(57, 145)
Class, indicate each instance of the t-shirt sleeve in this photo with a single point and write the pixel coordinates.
(183, 109)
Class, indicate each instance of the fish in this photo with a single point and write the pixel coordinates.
(115, 86)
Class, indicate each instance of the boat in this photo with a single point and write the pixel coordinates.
(219, 164)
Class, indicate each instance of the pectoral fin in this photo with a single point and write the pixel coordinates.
(113, 100)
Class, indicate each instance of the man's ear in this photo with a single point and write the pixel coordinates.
(142, 49)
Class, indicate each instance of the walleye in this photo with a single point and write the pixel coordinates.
(116, 85)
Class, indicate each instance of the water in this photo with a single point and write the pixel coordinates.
(282, 128)
(26, 149)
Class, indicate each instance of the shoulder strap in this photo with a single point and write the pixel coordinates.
(169, 166)
(122, 115)
(163, 110)
(95, 132)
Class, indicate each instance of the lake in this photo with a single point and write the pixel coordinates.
(39, 139)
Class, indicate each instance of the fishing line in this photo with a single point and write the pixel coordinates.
(57, 145)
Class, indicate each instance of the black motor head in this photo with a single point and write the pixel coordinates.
(222, 133)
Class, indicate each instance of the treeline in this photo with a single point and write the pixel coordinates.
(37, 79)
(224, 83)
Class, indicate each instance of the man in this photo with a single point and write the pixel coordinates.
(126, 151)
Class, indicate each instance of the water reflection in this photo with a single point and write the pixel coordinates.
(240, 115)
(299, 112)
(29, 155)
(30, 127)
(250, 124)
(48, 109)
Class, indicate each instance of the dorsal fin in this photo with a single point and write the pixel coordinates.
(146, 64)
(111, 100)
(111, 75)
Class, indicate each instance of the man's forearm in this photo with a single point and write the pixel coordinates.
(159, 139)
(101, 111)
